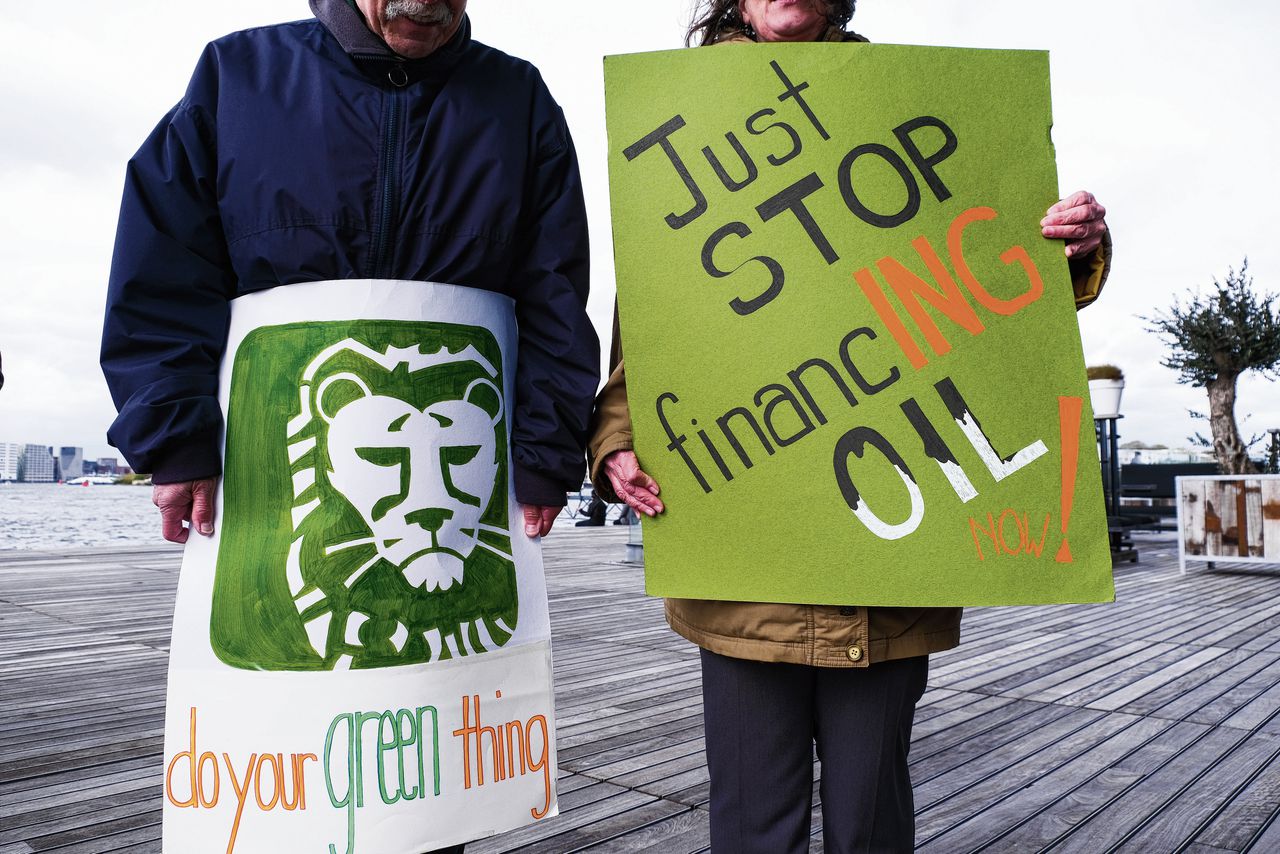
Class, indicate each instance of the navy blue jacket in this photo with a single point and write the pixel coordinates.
(308, 151)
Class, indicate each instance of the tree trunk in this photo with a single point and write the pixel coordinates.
(1228, 447)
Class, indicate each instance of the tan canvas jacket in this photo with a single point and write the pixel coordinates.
(821, 635)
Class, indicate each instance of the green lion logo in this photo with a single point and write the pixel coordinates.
(396, 550)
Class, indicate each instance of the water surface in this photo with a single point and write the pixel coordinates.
(53, 516)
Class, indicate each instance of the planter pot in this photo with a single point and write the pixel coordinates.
(1104, 396)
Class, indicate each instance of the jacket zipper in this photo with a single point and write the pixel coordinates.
(389, 183)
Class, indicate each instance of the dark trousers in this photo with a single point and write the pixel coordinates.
(762, 720)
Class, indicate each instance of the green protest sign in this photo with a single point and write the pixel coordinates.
(853, 362)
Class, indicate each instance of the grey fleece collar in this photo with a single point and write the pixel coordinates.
(346, 24)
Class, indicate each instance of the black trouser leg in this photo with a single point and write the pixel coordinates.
(761, 720)
(759, 733)
(863, 727)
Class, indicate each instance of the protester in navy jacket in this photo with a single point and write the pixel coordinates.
(371, 142)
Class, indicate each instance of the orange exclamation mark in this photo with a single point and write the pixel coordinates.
(1069, 409)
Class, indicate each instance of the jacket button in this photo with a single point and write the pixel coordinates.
(846, 611)
(855, 653)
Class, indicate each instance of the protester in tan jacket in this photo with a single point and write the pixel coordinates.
(777, 677)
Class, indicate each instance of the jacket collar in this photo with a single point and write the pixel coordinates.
(346, 24)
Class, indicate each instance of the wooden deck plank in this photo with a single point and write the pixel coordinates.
(618, 825)
(1202, 798)
(971, 818)
(1074, 808)
(681, 833)
(989, 753)
(579, 809)
(1202, 685)
(1136, 689)
(1255, 805)
(67, 820)
(1006, 723)
(106, 835)
(1107, 669)
(1113, 823)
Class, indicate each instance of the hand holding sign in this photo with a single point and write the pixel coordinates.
(1078, 218)
(538, 519)
(189, 501)
(631, 484)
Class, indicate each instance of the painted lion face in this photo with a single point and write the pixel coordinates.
(419, 478)
(397, 459)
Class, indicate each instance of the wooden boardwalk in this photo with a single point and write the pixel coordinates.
(1151, 725)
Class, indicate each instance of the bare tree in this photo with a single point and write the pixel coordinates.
(1215, 338)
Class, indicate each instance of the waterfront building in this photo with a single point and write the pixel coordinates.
(10, 457)
(37, 465)
(107, 465)
(1164, 456)
(70, 463)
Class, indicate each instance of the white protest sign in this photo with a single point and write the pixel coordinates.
(361, 657)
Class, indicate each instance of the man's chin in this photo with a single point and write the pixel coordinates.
(433, 571)
(415, 40)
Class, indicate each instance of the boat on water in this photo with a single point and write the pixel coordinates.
(90, 480)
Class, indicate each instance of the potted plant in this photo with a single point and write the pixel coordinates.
(1106, 383)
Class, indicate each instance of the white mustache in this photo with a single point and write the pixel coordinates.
(422, 13)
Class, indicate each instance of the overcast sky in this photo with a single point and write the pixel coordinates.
(1168, 111)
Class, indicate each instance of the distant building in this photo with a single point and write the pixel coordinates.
(10, 457)
(70, 463)
(1159, 456)
(107, 465)
(37, 465)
